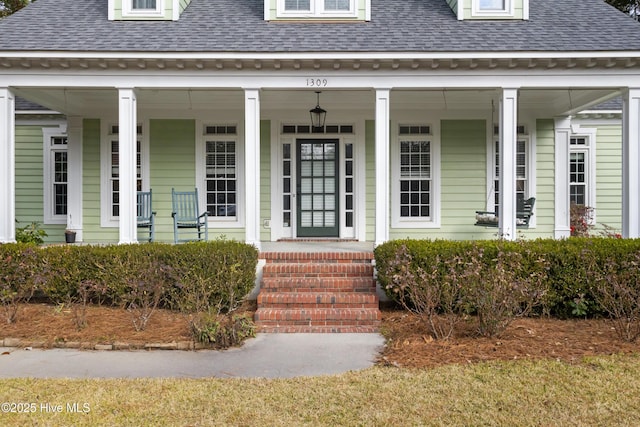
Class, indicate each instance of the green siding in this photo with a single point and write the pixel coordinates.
(172, 164)
(265, 179)
(463, 179)
(463, 183)
(172, 154)
(609, 176)
(453, 4)
(545, 183)
(370, 171)
(29, 182)
(518, 11)
(92, 231)
(183, 5)
(361, 15)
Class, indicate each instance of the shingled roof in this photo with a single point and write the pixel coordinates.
(395, 26)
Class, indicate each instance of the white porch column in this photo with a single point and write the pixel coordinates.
(562, 209)
(7, 167)
(382, 166)
(631, 163)
(127, 167)
(508, 141)
(252, 166)
(74, 178)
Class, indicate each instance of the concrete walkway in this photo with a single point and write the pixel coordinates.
(266, 356)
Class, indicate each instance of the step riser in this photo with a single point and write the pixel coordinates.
(319, 261)
(311, 300)
(321, 305)
(314, 316)
(347, 329)
(317, 257)
(318, 285)
(317, 270)
(350, 322)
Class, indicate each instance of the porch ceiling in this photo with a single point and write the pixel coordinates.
(98, 102)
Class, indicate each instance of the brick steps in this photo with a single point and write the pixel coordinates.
(323, 269)
(320, 292)
(330, 284)
(302, 329)
(317, 300)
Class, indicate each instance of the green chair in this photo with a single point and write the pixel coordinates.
(187, 217)
(145, 213)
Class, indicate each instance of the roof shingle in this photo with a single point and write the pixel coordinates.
(395, 26)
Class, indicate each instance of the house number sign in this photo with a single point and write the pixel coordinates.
(317, 82)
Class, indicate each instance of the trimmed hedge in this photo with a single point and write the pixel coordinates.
(225, 268)
(574, 266)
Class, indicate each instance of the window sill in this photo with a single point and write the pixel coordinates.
(224, 223)
(406, 223)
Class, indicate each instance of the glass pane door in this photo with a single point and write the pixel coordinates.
(317, 188)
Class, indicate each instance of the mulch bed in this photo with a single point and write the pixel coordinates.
(409, 342)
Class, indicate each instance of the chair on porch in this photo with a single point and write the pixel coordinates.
(524, 212)
(145, 213)
(186, 216)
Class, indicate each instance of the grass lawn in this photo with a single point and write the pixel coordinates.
(599, 391)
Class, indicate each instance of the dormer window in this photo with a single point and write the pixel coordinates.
(142, 8)
(146, 5)
(492, 7)
(316, 8)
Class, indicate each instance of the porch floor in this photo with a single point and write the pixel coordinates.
(316, 246)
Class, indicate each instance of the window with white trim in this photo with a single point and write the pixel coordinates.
(114, 168)
(492, 7)
(222, 172)
(221, 178)
(581, 169)
(492, 4)
(56, 173)
(414, 160)
(316, 8)
(142, 8)
(110, 165)
(522, 168)
(144, 4)
(415, 178)
(578, 178)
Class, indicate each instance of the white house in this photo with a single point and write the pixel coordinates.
(434, 109)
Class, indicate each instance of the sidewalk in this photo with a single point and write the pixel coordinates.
(266, 356)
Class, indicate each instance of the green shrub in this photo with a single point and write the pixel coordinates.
(503, 286)
(74, 277)
(571, 268)
(213, 276)
(18, 277)
(437, 302)
(31, 233)
(206, 277)
(141, 279)
(222, 331)
(617, 291)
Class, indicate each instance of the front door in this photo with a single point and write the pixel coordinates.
(317, 188)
